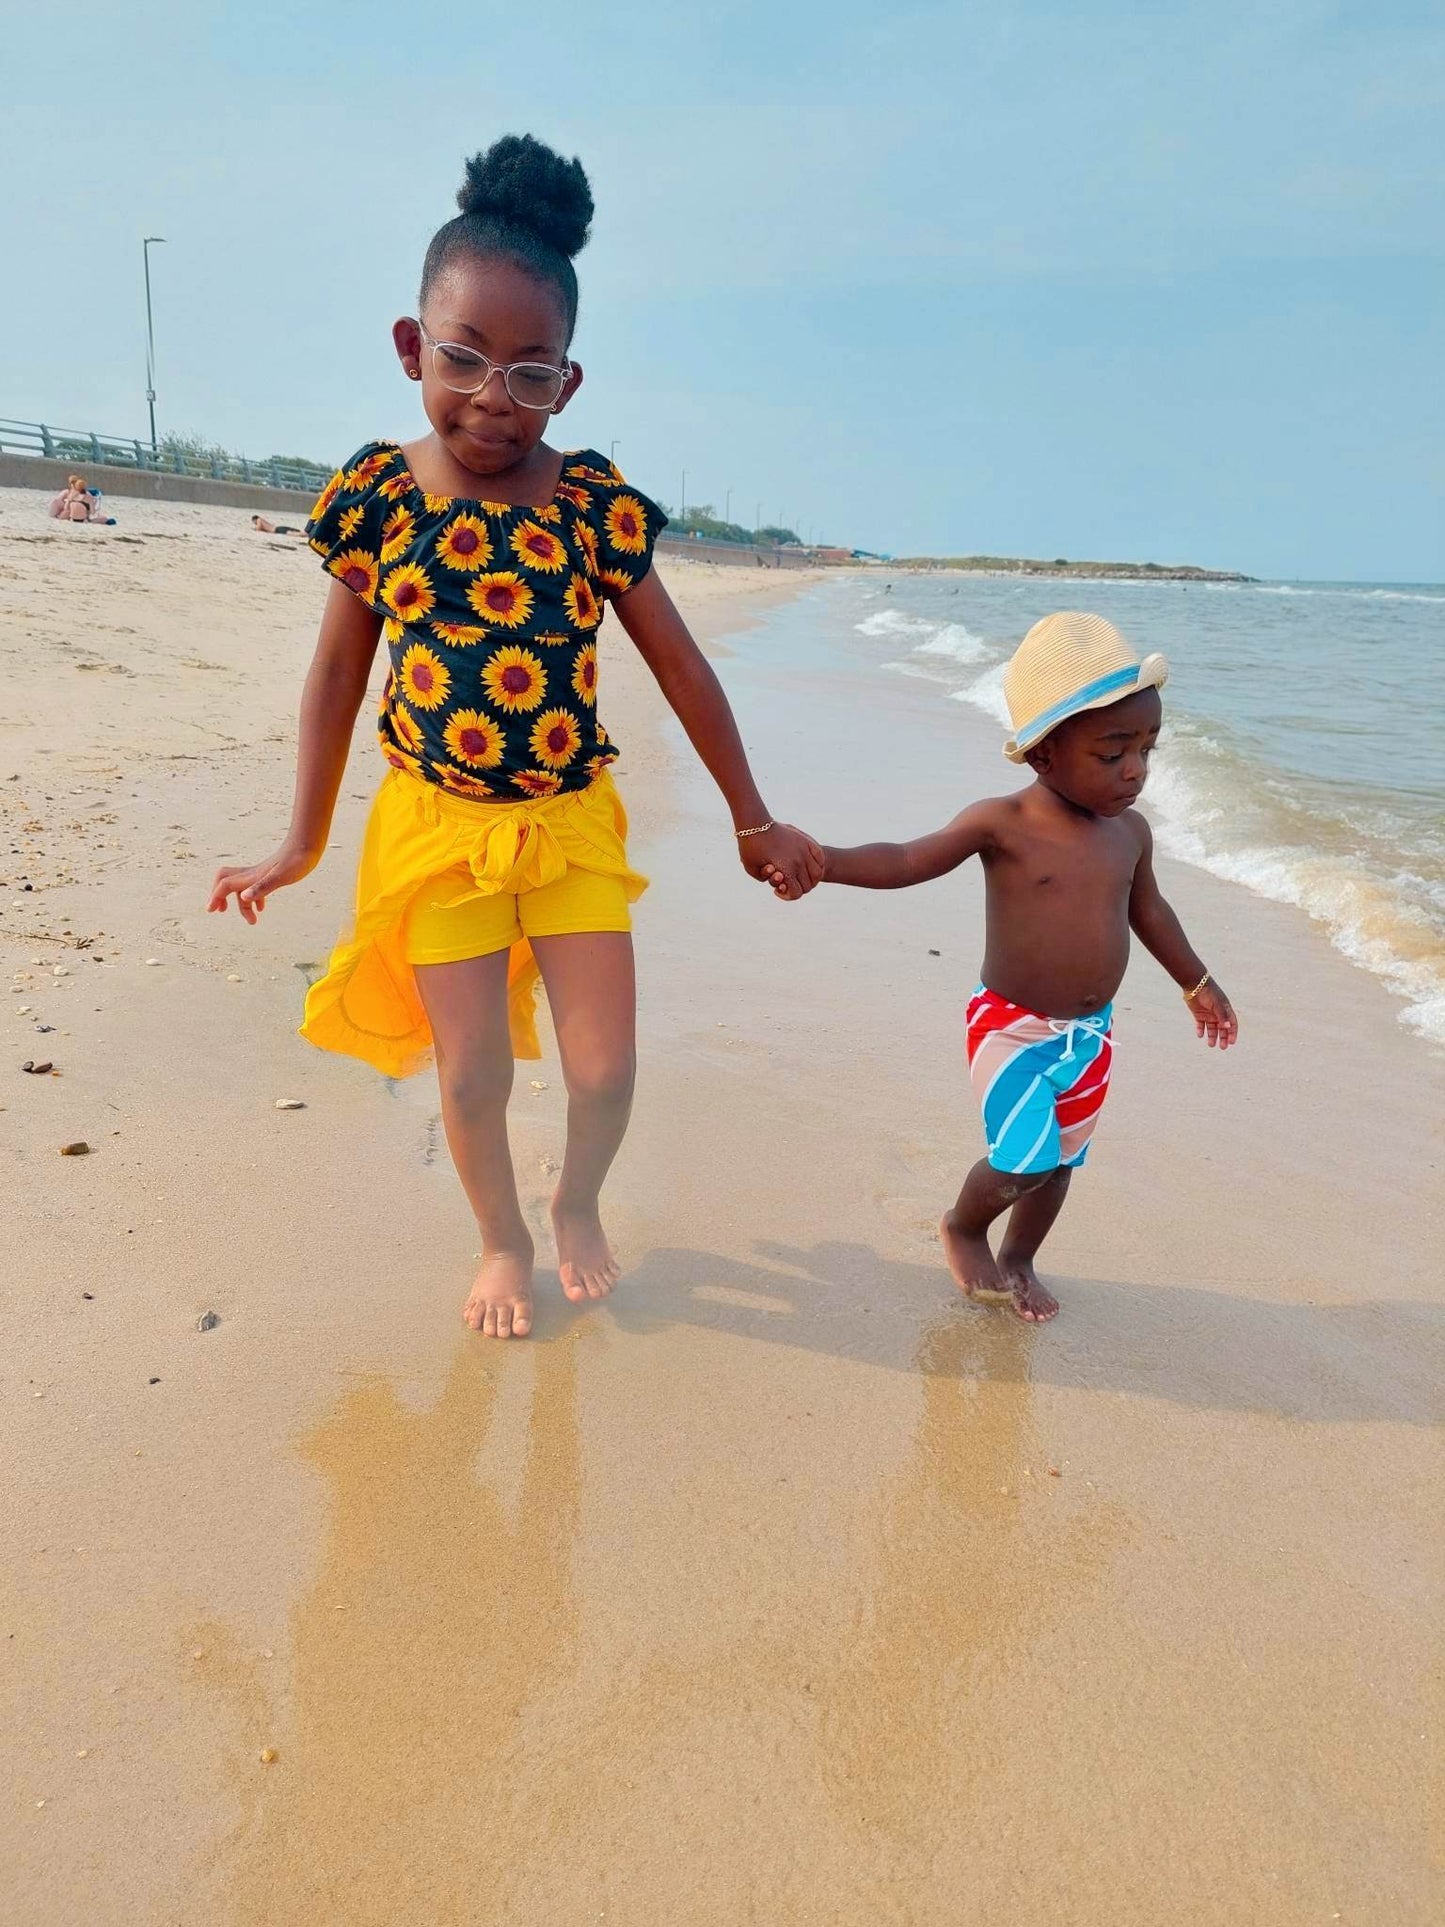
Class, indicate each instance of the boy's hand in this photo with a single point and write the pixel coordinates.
(252, 885)
(784, 857)
(1214, 1018)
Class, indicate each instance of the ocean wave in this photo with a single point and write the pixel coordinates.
(893, 622)
(1403, 595)
(985, 692)
(1213, 810)
(956, 642)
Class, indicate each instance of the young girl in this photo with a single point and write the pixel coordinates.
(496, 846)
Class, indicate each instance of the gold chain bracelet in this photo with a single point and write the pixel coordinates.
(758, 829)
(1190, 995)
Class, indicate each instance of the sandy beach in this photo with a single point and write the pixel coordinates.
(785, 1588)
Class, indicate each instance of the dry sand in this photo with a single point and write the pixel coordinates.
(785, 1588)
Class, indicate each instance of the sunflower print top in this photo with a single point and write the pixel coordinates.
(489, 614)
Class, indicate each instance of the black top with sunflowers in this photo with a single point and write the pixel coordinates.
(489, 614)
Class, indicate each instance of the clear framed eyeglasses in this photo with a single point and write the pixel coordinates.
(531, 384)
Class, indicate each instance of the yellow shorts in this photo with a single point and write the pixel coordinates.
(439, 929)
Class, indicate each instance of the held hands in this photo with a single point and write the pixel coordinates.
(1213, 1014)
(252, 884)
(784, 857)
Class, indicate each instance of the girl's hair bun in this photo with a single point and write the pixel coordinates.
(521, 183)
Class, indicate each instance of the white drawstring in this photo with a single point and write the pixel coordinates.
(1067, 1027)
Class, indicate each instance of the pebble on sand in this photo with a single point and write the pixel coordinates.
(207, 1322)
(37, 1070)
(290, 1104)
(153, 963)
(80, 1149)
(269, 1756)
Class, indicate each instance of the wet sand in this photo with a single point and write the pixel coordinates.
(784, 1588)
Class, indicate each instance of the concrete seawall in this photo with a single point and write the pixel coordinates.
(153, 485)
(734, 554)
(34, 471)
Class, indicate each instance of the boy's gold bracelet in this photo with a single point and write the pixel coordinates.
(1190, 995)
(758, 829)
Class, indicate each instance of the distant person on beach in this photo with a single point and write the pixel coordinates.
(78, 503)
(1068, 868)
(496, 848)
(264, 526)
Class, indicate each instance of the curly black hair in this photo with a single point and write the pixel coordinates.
(520, 201)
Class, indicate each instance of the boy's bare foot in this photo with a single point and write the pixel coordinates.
(1031, 1299)
(585, 1262)
(501, 1302)
(972, 1264)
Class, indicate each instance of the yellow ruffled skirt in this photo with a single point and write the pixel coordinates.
(367, 1004)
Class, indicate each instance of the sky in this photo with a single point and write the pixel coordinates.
(1103, 282)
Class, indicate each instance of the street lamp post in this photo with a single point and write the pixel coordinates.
(612, 451)
(150, 241)
(728, 511)
(682, 512)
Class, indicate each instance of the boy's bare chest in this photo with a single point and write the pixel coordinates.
(1097, 862)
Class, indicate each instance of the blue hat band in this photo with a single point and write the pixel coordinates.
(1071, 705)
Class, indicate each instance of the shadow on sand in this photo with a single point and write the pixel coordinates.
(1184, 1344)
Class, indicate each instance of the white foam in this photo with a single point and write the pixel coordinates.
(1368, 921)
(956, 642)
(893, 622)
(986, 693)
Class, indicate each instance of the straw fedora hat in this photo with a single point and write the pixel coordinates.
(1066, 664)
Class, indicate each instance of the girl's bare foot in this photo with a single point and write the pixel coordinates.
(501, 1302)
(585, 1262)
(1033, 1301)
(972, 1264)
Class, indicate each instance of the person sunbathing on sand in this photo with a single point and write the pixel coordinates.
(263, 525)
(1068, 868)
(482, 560)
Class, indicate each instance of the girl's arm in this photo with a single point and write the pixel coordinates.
(893, 866)
(335, 686)
(686, 679)
(1162, 935)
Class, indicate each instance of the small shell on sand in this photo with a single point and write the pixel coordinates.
(80, 1149)
(290, 1104)
(269, 1756)
(153, 963)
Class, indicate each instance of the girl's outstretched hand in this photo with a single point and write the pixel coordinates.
(252, 885)
(784, 857)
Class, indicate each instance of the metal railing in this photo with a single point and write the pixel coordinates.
(114, 451)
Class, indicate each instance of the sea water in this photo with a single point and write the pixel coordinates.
(1303, 754)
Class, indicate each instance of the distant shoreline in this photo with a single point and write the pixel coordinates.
(1119, 571)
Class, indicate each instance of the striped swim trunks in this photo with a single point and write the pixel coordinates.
(1040, 1081)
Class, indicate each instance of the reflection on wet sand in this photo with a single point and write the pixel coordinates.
(977, 1551)
(440, 1619)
